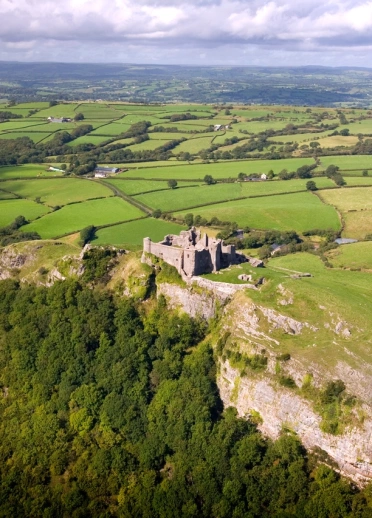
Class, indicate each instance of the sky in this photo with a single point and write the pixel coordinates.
(196, 32)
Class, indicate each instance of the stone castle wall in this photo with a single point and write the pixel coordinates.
(191, 253)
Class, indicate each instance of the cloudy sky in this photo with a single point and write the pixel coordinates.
(201, 32)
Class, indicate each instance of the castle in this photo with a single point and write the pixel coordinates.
(193, 254)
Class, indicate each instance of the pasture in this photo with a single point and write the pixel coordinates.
(132, 187)
(73, 218)
(299, 211)
(338, 140)
(57, 192)
(228, 169)
(355, 199)
(130, 235)
(176, 199)
(147, 145)
(10, 209)
(89, 139)
(357, 225)
(352, 256)
(26, 171)
(346, 162)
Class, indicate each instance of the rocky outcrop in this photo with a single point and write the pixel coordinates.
(10, 259)
(196, 304)
(281, 408)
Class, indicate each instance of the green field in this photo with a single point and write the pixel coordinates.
(299, 137)
(73, 218)
(111, 130)
(7, 195)
(88, 139)
(21, 124)
(364, 126)
(353, 255)
(300, 212)
(34, 136)
(345, 162)
(138, 186)
(26, 171)
(147, 145)
(228, 169)
(61, 110)
(57, 192)
(177, 199)
(357, 198)
(97, 111)
(194, 145)
(358, 180)
(10, 209)
(357, 225)
(355, 205)
(130, 235)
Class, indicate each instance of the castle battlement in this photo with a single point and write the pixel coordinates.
(193, 254)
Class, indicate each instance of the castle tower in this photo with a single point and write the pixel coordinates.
(215, 254)
(147, 245)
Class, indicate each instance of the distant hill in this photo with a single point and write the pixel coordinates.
(307, 85)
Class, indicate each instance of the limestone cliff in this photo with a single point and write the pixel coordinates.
(252, 329)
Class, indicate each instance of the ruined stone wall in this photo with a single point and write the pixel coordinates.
(169, 254)
(228, 254)
(203, 263)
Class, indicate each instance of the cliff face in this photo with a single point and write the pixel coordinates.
(254, 329)
(280, 408)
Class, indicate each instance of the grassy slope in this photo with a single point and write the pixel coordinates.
(353, 255)
(328, 297)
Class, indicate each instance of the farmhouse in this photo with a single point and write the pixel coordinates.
(219, 127)
(193, 254)
(102, 172)
(58, 119)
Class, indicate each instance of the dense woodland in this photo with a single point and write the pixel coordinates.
(109, 407)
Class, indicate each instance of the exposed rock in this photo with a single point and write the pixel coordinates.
(195, 304)
(10, 259)
(245, 277)
(280, 407)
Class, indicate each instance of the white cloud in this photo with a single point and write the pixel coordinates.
(155, 29)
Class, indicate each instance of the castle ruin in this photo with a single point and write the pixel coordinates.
(193, 254)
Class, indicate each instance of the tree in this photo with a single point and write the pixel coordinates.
(311, 186)
(331, 170)
(172, 184)
(241, 177)
(87, 234)
(189, 219)
(344, 132)
(79, 117)
(156, 214)
(365, 172)
(209, 180)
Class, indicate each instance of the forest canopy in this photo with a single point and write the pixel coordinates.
(109, 407)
